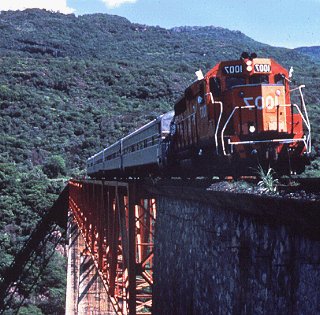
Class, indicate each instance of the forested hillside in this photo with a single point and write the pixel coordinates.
(313, 52)
(72, 85)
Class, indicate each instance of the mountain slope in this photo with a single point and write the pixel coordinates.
(313, 52)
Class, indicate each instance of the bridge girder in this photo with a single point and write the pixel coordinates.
(117, 223)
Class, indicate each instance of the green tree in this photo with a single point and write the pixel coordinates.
(55, 166)
(30, 310)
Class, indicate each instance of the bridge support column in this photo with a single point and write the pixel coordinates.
(86, 293)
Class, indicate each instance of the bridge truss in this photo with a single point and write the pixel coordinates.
(117, 223)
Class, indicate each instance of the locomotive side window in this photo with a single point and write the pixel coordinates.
(279, 79)
(215, 86)
(256, 79)
(233, 81)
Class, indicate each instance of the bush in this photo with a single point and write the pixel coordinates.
(55, 166)
(30, 310)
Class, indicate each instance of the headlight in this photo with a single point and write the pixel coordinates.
(252, 128)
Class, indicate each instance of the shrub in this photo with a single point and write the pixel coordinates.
(268, 183)
(55, 166)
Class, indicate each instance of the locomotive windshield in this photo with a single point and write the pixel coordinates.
(233, 81)
(260, 78)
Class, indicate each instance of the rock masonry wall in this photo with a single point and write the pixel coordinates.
(210, 260)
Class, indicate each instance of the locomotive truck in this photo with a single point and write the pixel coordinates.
(239, 115)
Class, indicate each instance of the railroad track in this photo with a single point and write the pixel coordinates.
(298, 188)
(291, 187)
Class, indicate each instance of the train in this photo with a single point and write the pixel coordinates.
(240, 115)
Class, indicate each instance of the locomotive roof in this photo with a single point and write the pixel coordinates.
(276, 67)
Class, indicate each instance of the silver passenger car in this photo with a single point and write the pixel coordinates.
(137, 153)
(112, 157)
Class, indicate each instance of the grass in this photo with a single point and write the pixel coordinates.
(267, 181)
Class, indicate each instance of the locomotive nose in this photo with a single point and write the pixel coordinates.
(262, 108)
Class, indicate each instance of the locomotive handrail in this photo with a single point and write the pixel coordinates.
(219, 120)
(187, 117)
(266, 141)
(307, 117)
(306, 122)
(227, 122)
(306, 140)
(288, 140)
(300, 87)
(218, 124)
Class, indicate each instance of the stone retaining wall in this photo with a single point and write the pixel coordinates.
(211, 259)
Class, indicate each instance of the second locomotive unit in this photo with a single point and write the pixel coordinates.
(235, 117)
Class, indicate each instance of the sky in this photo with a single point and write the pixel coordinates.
(284, 23)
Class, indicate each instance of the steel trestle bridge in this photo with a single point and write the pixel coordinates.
(117, 222)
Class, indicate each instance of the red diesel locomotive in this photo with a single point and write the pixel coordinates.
(240, 115)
